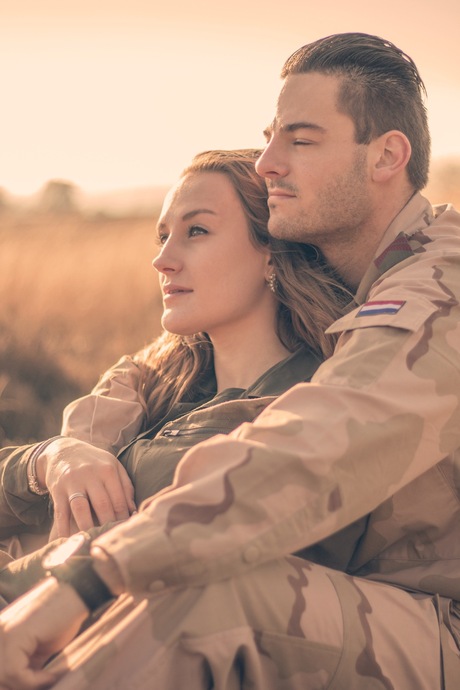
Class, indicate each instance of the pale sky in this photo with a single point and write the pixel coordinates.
(113, 94)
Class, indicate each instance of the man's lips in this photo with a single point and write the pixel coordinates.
(173, 290)
(280, 194)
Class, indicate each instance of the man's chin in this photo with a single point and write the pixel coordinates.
(279, 230)
(275, 227)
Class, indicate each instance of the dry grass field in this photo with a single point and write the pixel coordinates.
(76, 293)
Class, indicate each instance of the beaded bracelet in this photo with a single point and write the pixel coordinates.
(32, 479)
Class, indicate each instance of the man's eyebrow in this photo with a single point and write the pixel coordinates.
(268, 131)
(294, 126)
(187, 216)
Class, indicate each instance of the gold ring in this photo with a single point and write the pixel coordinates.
(77, 495)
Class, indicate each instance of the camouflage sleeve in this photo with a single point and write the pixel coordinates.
(380, 412)
(18, 575)
(112, 414)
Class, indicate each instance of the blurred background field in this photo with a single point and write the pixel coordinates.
(77, 291)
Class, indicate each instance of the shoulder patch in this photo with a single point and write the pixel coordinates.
(390, 313)
(381, 307)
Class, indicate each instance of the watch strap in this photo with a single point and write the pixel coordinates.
(71, 562)
(79, 572)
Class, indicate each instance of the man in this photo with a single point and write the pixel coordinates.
(348, 148)
(360, 470)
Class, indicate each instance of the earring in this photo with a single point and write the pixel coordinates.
(272, 282)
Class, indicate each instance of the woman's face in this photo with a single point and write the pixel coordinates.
(212, 277)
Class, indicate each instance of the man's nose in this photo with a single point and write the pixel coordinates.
(271, 163)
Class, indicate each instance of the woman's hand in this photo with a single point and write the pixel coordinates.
(88, 486)
(32, 629)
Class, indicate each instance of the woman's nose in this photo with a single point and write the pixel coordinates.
(166, 261)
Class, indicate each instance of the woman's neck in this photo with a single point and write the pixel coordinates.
(240, 358)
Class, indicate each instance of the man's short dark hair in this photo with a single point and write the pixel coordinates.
(381, 90)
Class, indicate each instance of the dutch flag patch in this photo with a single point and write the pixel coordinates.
(383, 307)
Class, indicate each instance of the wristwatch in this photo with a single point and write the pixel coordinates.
(71, 562)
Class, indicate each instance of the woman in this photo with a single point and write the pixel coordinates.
(244, 318)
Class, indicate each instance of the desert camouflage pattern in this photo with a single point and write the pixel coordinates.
(376, 435)
(367, 454)
(286, 625)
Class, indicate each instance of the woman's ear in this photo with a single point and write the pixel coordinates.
(268, 266)
(391, 153)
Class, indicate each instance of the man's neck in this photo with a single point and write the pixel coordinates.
(351, 257)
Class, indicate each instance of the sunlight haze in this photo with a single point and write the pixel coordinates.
(112, 94)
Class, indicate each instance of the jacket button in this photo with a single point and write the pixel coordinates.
(156, 586)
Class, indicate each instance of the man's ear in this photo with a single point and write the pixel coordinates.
(391, 153)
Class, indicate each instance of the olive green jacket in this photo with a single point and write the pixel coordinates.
(150, 457)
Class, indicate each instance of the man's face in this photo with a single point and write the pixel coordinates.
(317, 175)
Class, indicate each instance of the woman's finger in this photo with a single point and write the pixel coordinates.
(80, 508)
(61, 514)
(120, 492)
(128, 488)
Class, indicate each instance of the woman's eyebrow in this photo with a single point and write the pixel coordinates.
(196, 212)
(190, 214)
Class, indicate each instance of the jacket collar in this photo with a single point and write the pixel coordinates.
(395, 245)
(298, 367)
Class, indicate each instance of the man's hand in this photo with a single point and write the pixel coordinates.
(32, 629)
(88, 486)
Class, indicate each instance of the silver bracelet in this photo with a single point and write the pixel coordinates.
(32, 479)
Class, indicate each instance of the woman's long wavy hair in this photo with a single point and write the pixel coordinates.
(178, 368)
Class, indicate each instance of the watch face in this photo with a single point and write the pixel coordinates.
(61, 553)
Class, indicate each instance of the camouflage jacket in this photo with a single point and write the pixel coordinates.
(376, 433)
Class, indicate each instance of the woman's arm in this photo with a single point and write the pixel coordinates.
(81, 461)
(83, 464)
(88, 485)
(112, 414)
(20, 509)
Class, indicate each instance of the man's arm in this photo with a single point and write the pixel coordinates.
(381, 412)
(35, 627)
(378, 414)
